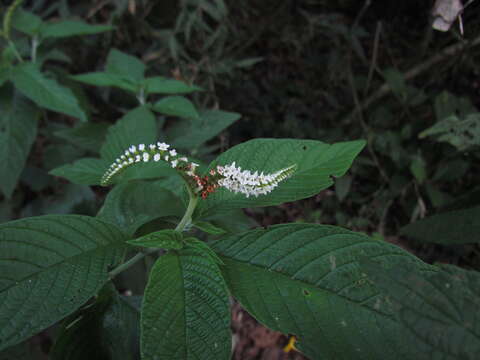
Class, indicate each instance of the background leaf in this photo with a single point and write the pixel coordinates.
(133, 204)
(316, 163)
(440, 311)
(51, 265)
(26, 22)
(88, 136)
(124, 65)
(66, 28)
(185, 135)
(46, 92)
(106, 79)
(18, 129)
(109, 329)
(305, 280)
(86, 171)
(135, 127)
(453, 227)
(185, 310)
(176, 106)
(162, 85)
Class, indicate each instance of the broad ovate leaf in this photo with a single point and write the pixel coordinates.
(51, 265)
(315, 164)
(306, 280)
(185, 310)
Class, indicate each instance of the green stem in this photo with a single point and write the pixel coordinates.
(184, 222)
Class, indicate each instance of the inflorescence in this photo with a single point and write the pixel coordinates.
(229, 177)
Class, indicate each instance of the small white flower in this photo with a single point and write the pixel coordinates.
(173, 152)
(152, 146)
(156, 157)
(174, 163)
(137, 158)
(141, 147)
(132, 149)
(162, 146)
(146, 157)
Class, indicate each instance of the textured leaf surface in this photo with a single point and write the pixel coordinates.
(305, 279)
(185, 311)
(18, 129)
(440, 311)
(46, 92)
(176, 106)
(66, 28)
(161, 85)
(136, 127)
(51, 265)
(133, 204)
(453, 227)
(186, 135)
(165, 239)
(86, 171)
(316, 163)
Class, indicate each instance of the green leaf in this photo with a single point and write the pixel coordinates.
(453, 227)
(133, 204)
(185, 310)
(165, 239)
(161, 85)
(418, 168)
(305, 279)
(106, 79)
(51, 265)
(209, 228)
(176, 106)
(66, 28)
(88, 136)
(46, 92)
(108, 329)
(135, 127)
(126, 66)
(185, 135)
(203, 248)
(26, 22)
(440, 311)
(342, 187)
(86, 171)
(316, 163)
(18, 129)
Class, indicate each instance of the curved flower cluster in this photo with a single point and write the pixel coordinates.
(248, 183)
(145, 153)
(229, 177)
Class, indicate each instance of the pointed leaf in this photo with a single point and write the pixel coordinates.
(440, 311)
(176, 106)
(186, 135)
(135, 127)
(86, 171)
(209, 228)
(161, 85)
(26, 22)
(66, 28)
(185, 310)
(106, 79)
(51, 265)
(88, 136)
(124, 65)
(316, 163)
(46, 92)
(305, 280)
(167, 239)
(18, 129)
